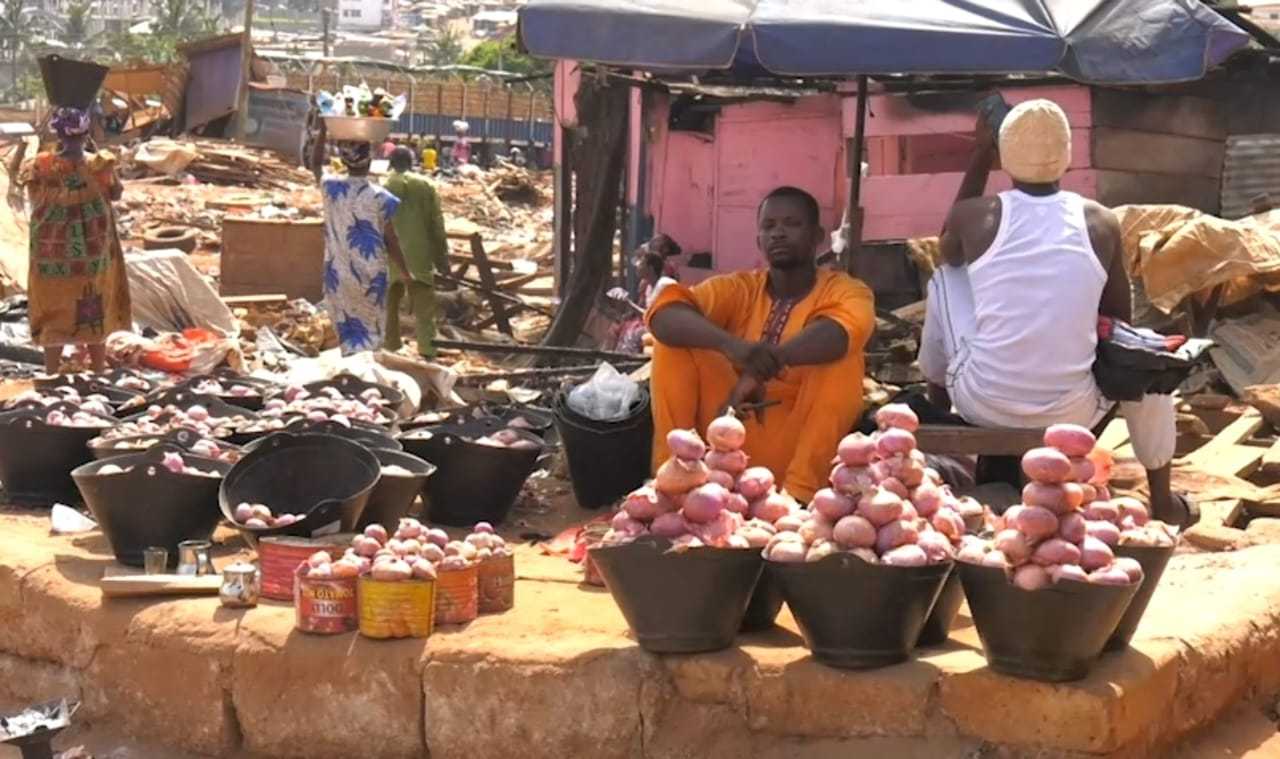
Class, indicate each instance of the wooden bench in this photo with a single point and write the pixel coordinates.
(961, 440)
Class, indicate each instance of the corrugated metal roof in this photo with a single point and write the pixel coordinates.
(1251, 168)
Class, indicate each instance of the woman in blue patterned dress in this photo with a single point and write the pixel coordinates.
(358, 240)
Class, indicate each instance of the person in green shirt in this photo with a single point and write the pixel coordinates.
(419, 224)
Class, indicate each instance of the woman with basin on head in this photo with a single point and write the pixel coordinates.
(78, 289)
(358, 241)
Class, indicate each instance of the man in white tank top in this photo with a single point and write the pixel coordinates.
(1011, 329)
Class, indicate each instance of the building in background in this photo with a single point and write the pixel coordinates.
(363, 15)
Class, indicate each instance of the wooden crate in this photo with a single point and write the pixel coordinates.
(263, 256)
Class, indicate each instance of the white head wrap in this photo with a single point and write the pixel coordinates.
(1035, 142)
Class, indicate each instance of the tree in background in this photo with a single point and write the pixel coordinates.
(441, 50)
(173, 22)
(502, 55)
(14, 35)
(76, 30)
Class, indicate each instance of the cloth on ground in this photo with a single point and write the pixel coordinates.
(818, 404)
(170, 295)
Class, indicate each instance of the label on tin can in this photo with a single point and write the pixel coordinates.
(326, 606)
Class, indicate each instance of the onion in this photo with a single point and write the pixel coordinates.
(1110, 576)
(726, 433)
(831, 505)
(679, 477)
(1104, 511)
(895, 486)
(894, 442)
(643, 504)
(723, 479)
(880, 508)
(856, 450)
(1094, 554)
(704, 504)
(318, 558)
(1056, 551)
(895, 534)
(1031, 577)
(1072, 527)
(852, 481)
(1132, 507)
(790, 522)
(733, 462)
(936, 547)
(897, 415)
(624, 524)
(409, 528)
(820, 550)
(1013, 547)
(815, 529)
(786, 551)
(242, 514)
(1061, 572)
(670, 525)
(972, 552)
(737, 503)
(755, 482)
(1130, 567)
(718, 530)
(771, 508)
(948, 523)
(905, 556)
(995, 559)
(377, 532)
(438, 536)
(685, 444)
(483, 528)
(854, 532)
(391, 571)
(927, 498)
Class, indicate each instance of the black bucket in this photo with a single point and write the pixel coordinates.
(69, 82)
(856, 615)
(366, 434)
(252, 402)
(182, 438)
(1054, 634)
(352, 386)
(36, 459)
(606, 460)
(766, 603)
(1153, 561)
(537, 421)
(87, 385)
(937, 628)
(325, 478)
(679, 603)
(393, 497)
(473, 482)
(151, 506)
(184, 400)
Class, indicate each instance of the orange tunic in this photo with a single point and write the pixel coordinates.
(818, 404)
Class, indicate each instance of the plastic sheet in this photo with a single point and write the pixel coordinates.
(606, 397)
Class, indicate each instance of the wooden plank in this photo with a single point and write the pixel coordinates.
(250, 300)
(1182, 115)
(487, 280)
(969, 441)
(1118, 188)
(1149, 153)
(265, 257)
(1270, 466)
(119, 583)
(1225, 455)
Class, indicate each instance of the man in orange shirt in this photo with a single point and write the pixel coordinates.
(791, 334)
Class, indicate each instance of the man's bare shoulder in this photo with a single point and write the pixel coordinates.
(1096, 213)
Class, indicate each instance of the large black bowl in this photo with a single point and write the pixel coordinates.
(856, 615)
(473, 482)
(150, 505)
(766, 602)
(393, 497)
(325, 478)
(36, 458)
(679, 602)
(1153, 561)
(537, 421)
(937, 628)
(182, 438)
(1054, 634)
(352, 386)
(367, 434)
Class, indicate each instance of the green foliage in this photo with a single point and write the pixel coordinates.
(502, 55)
(442, 50)
(77, 28)
(173, 22)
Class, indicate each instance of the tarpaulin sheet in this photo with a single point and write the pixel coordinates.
(1101, 41)
(1179, 251)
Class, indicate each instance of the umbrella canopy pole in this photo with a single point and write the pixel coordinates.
(853, 210)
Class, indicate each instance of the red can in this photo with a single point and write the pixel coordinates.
(280, 557)
(496, 584)
(457, 595)
(326, 607)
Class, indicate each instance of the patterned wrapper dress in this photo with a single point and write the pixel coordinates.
(356, 211)
(78, 288)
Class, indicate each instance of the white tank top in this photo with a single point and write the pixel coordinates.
(1036, 292)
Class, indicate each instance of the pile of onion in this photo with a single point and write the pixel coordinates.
(258, 516)
(1067, 525)
(421, 550)
(884, 505)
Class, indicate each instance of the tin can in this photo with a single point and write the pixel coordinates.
(457, 595)
(325, 607)
(280, 557)
(399, 609)
(496, 584)
(590, 537)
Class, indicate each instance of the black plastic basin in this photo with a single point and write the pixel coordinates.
(1153, 561)
(393, 497)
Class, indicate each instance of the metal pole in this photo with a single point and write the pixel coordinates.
(853, 245)
(326, 18)
(246, 70)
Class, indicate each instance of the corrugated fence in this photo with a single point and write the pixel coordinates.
(1251, 168)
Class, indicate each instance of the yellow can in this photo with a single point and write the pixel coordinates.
(398, 609)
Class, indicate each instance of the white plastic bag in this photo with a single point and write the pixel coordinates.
(606, 397)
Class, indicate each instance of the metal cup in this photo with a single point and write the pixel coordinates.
(193, 558)
(155, 560)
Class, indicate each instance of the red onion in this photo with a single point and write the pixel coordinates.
(723, 479)
(1104, 511)
(972, 552)
(755, 482)
(927, 498)
(880, 508)
(1089, 493)
(856, 450)
(1101, 491)
(815, 528)
(1013, 546)
(1130, 567)
(771, 508)
(1081, 469)
(1056, 551)
(643, 504)
(854, 532)
(895, 534)
(905, 556)
(738, 504)
(948, 523)
(821, 550)
(790, 522)
(936, 547)
(895, 442)
(670, 525)
(1094, 554)
(685, 444)
(726, 433)
(1059, 499)
(832, 505)
(704, 504)
(717, 531)
(678, 477)
(899, 416)
(1060, 572)
(1133, 508)
(1105, 531)
(852, 481)
(1072, 527)
(734, 462)
(1031, 577)
(786, 551)
(995, 559)
(1110, 576)
(1035, 522)
(895, 486)
(1071, 439)
(623, 523)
